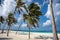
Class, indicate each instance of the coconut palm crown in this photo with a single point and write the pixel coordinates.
(11, 19)
(19, 4)
(1, 19)
(33, 15)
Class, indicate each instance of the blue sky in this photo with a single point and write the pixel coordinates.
(45, 22)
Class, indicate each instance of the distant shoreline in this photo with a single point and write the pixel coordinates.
(35, 31)
(39, 32)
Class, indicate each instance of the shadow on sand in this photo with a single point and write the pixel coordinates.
(5, 38)
(2, 33)
(43, 37)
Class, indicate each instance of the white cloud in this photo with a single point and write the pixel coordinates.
(48, 12)
(47, 23)
(45, 2)
(24, 25)
(19, 18)
(37, 4)
(1, 10)
(16, 25)
(56, 9)
(48, 1)
(27, 1)
(24, 11)
(7, 7)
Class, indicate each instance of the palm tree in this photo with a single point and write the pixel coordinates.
(10, 20)
(33, 16)
(53, 22)
(19, 4)
(18, 29)
(2, 21)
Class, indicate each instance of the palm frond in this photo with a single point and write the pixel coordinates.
(19, 4)
(25, 17)
(33, 15)
(1, 19)
(11, 19)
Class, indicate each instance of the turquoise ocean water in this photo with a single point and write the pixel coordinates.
(36, 31)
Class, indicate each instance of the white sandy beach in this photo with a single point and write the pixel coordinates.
(24, 36)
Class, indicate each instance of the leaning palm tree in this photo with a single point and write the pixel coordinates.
(19, 4)
(53, 22)
(2, 21)
(33, 16)
(10, 20)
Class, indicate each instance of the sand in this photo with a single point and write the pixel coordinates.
(24, 36)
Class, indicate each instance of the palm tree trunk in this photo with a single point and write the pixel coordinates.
(28, 24)
(2, 29)
(29, 31)
(18, 30)
(55, 37)
(0, 25)
(8, 31)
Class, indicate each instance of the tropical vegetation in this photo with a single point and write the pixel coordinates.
(10, 20)
(32, 16)
(1, 22)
